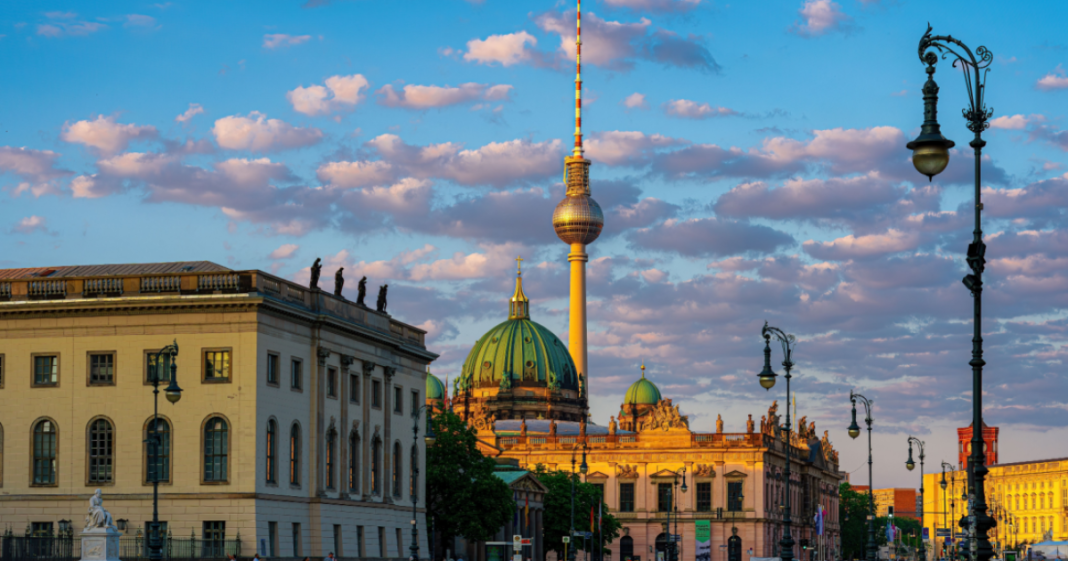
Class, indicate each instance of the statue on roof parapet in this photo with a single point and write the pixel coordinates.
(362, 292)
(339, 282)
(316, 270)
(381, 306)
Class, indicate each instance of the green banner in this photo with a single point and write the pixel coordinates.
(703, 540)
(703, 530)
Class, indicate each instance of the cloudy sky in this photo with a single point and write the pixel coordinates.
(749, 156)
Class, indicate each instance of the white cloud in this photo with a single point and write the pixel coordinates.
(1016, 122)
(105, 135)
(138, 20)
(259, 134)
(355, 174)
(427, 97)
(30, 224)
(635, 101)
(655, 5)
(505, 50)
(284, 251)
(36, 169)
(194, 110)
(339, 93)
(1056, 80)
(276, 40)
(687, 109)
(58, 28)
(821, 17)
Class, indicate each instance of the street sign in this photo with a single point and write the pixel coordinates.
(941, 532)
(588, 535)
(961, 535)
(525, 541)
(926, 534)
(566, 539)
(675, 538)
(517, 541)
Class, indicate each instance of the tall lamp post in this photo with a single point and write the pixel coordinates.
(912, 465)
(166, 363)
(930, 155)
(582, 469)
(414, 548)
(673, 548)
(767, 381)
(854, 431)
(942, 484)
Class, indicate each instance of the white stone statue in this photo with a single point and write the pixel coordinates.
(98, 517)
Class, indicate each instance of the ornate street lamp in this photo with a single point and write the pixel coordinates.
(767, 381)
(673, 547)
(166, 363)
(854, 431)
(912, 465)
(414, 548)
(930, 156)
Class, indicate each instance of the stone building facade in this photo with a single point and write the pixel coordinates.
(293, 430)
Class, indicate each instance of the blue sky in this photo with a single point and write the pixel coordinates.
(749, 157)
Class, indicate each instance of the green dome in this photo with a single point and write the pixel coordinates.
(434, 388)
(524, 351)
(642, 392)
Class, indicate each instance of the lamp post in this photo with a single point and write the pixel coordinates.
(942, 484)
(414, 548)
(911, 465)
(583, 469)
(767, 381)
(672, 552)
(930, 157)
(166, 362)
(854, 431)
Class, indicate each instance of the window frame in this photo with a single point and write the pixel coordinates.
(297, 539)
(33, 370)
(55, 452)
(698, 502)
(277, 369)
(376, 393)
(217, 544)
(295, 456)
(354, 462)
(331, 460)
(416, 403)
(331, 382)
(732, 496)
(622, 497)
(109, 458)
(271, 453)
(227, 453)
(204, 379)
(147, 353)
(170, 452)
(398, 399)
(354, 388)
(299, 364)
(398, 469)
(376, 466)
(89, 368)
(660, 496)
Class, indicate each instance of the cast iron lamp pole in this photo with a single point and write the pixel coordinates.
(912, 465)
(930, 157)
(945, 509)
(166, 360)
(767, 380)
(414, 548)
(854, 431)
(672, 552)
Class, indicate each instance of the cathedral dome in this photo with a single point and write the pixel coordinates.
(435, 389)
(642, 392)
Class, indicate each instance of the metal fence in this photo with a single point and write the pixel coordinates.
(68, 548)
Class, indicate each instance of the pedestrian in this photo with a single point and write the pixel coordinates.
(330, 557)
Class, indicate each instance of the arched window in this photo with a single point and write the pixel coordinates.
(396, 469)
(216, 449)
(161, 467)
(272, 451)
(294, 454)
(626, 548)
(44, 453)
(101, 451)
(354, 462)
(413, 483)
(331, 459)
(376, 466)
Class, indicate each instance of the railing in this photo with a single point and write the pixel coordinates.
(103, 286)
(161, 284)
(48, 288)
(219, 282)
(68, 548)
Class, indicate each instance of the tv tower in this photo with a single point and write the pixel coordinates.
(578, 219)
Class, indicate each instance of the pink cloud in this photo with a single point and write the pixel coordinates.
(276, 40)
(1056, 80)
(355, 174)
(655, 5)
(704, 237)
(821, 17)
(635, 101)
(30, 224)
(427, 97)
(194, 110)
(338, 93)
(859, 247)
(506, 50)
(687, 109)
(257, 133)
(611, 44)
(284, 251)
(1016, 122)
(35, 169)
(105, 135)
(626, 147)
(809, 198)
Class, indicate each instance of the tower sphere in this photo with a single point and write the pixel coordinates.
(578, 219)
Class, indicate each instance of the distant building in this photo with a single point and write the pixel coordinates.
(293, 430)
(964, 445)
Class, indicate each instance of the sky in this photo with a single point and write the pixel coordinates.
(749, 158)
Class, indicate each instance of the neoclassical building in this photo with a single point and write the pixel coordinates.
(293, 430)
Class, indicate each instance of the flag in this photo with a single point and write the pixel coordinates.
(819, 520)
(889, 531)
(591, 518)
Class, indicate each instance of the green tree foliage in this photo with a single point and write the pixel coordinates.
(557, 516)
(464, 497)
(853, 515)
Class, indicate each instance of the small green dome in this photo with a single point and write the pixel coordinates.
(525, 352)
(435, 389)
(642, 392)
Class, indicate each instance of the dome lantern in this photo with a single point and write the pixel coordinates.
(519, 305)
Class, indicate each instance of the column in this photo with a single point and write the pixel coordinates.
(343, 428)
(387, 445)
(316, 450)
(576, 331)
(365, 438)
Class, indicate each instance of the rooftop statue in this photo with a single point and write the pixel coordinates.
(316, 270)
(362, 288)
(382, 298)
(339, 282)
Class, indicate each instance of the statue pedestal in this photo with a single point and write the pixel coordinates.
(100, 544)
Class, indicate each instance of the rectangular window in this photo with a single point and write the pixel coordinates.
(376, 394)
(381, 541)
(734, 496)
(151, 358)
(45, 370)
(101, 369)
(331, 382)
(296, 539)
(354, 388)
(663, 497)
(217, 365)
(398, 402)
(704, 497)
(415, 402)
(272, 369)
(214, 539)
(626, 497)
(41, 529)
(296, 374)
(337, 540)
(272, 539)
(359, 541)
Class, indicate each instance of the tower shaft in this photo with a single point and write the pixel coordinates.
(576, 332)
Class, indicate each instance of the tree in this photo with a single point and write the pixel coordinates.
(853, 508)
(463, 496)
(557, 515)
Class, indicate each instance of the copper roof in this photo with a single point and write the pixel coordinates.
(127, 269)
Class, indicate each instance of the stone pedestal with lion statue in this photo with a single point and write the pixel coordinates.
(100, 538)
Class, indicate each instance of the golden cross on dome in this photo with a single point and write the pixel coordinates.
(643, 368)
(519, 264)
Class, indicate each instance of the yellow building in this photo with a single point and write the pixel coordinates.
(1029, 500)
(293, 430)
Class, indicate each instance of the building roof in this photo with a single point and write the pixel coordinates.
(1029, 462)
(435, 389)
(113, 270)
(642, 392)
(541, 426)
